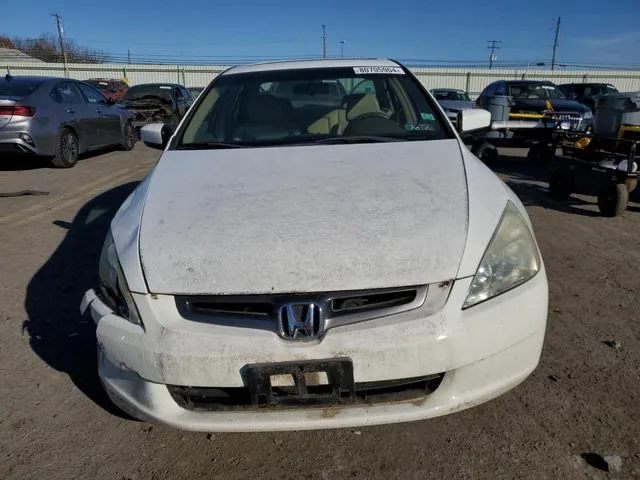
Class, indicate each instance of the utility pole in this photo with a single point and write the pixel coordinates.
(129, 56)
(341, 48)
(324, 41)
(493, 46)
(62, 50)
(555, 45)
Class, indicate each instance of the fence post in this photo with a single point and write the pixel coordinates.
(584, 78)
(184, 82)
(468, 83)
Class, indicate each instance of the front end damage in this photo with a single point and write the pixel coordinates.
(414, 365)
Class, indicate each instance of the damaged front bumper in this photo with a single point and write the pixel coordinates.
(472, 355)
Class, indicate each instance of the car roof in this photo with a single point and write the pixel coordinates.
(447, 90)
(526, 82)
(584, 83)
(159, 84)
(30, 78)
(306, 64)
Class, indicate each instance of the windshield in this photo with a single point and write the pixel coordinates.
(148, 92)
(536, 91)
(305, 106)
(451, 95)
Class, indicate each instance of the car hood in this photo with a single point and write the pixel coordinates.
(455, 104)
(541, 105)
(304, 218)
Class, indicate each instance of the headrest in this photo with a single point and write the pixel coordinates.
(265, 109)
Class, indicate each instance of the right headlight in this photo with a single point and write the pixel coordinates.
(114, 290)
(510, 260)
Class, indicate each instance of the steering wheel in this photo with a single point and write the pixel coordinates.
(367, 115)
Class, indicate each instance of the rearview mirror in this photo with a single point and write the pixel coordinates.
(156, 135)
(473, 119)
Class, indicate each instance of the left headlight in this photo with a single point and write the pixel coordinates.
(511, 259)
(114, 290)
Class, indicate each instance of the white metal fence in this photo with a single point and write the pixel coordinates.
(471, 80)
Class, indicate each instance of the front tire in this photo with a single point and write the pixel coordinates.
(67, 149)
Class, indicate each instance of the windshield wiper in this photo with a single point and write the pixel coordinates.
(209, 146)
(358, 139)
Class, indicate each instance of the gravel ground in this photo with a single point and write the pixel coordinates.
(575, 417)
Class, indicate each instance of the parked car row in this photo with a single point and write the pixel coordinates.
(61, 118)
(572, 104)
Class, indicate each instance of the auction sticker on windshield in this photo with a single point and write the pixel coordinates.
(369, 70)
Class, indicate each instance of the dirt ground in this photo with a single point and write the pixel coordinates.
(581, 404)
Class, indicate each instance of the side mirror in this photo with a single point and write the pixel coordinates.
(473, 119)
(156, 135)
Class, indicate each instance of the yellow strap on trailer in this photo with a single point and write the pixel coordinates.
(535, 116)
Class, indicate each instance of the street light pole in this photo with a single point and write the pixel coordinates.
(341, 48)
(324, 41)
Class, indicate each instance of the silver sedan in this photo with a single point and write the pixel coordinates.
(59, 118)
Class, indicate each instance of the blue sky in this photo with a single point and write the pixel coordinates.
(592, 31)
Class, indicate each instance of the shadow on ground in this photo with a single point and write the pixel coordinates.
(12, 162)
(58, 334)
(531, 183)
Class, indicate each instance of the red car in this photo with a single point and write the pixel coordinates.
(110, 88)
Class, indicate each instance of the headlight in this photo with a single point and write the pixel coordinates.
(510, 260)
(587, 115)
(114, 290)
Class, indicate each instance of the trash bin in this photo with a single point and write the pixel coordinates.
(617, 110)
(499, 106)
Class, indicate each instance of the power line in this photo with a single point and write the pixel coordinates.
(493, 46)
(555, 45)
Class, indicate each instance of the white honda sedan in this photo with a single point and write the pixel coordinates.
(316, 248)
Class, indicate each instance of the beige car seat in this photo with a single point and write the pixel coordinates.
(336, 120)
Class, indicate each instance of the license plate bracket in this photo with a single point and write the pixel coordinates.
(340, 388)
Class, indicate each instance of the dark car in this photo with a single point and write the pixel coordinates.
(532, 99)
(59, 118)
(586, 92)
(157, 103)
(110, 88)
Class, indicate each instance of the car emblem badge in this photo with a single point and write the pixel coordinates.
(300, 321)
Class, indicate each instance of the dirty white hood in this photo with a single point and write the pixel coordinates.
(304, 218)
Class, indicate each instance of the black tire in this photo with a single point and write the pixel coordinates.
(562, 184)
(613, 199)
(540, 154)
(67, 149)
(129, 138)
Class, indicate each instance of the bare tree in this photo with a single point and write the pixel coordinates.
(46, 48)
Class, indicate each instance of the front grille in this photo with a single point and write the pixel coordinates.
(208, 399)
(261, 311)
(565, 116)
